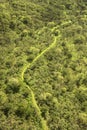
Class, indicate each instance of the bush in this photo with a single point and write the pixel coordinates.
(13, 86)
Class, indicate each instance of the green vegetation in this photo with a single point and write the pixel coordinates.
(43, 63)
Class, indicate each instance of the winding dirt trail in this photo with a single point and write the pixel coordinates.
(27, 66)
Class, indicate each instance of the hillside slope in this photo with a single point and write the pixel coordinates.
(43, 63)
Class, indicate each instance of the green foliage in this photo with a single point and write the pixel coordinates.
(43, 64)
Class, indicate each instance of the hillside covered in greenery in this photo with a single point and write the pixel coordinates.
(43, 64)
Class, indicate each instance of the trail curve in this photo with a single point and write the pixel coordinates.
(27, 66)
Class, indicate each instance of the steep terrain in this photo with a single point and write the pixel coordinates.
(43, 63)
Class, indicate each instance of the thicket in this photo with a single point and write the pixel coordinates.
(58, 78)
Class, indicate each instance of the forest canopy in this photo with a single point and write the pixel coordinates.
(43, 64)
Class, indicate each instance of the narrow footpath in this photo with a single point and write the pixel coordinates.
(27, 66)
